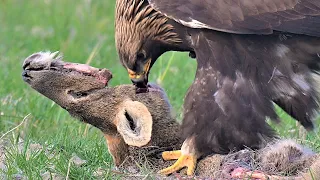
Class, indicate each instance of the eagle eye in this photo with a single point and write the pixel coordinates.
(140, 56)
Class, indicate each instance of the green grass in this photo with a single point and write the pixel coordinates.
(77, 28)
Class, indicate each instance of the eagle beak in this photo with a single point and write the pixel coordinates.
(140, 79)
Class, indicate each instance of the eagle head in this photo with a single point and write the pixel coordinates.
(142, 35)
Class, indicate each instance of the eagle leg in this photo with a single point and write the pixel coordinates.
(187, 157)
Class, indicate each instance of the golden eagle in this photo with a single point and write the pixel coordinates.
(250, 54)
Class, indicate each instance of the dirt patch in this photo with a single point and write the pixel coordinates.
(77, 161)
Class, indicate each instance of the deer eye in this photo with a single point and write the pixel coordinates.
(77, 95)
(81, 94)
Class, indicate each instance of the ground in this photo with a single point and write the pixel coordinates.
(49, 140)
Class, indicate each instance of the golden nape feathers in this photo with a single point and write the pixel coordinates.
(136, 20)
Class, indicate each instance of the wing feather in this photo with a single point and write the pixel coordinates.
(237, 79)
(245, 16)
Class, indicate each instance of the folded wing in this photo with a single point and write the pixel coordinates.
(245, 16)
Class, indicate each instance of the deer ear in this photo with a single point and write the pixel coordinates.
(134, 123)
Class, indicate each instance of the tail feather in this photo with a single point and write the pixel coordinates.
(303, 104)
(296, 85)
(301, 108)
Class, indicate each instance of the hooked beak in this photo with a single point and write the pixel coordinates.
(140, 79)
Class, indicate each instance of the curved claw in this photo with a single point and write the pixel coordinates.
(184, 160)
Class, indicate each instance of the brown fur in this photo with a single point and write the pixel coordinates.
(284, 158)
(117, 148)
(101, 106)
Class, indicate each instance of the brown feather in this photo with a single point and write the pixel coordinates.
(135, 21)
(245, 16)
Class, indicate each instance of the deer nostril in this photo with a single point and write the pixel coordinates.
(25, 74)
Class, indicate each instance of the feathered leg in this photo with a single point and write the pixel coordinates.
(187, 157)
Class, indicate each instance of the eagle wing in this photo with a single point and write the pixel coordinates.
(245, 16)
(237, 80)
(224, 102)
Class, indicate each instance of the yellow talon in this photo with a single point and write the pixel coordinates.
(184, 160)
(171, 155)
